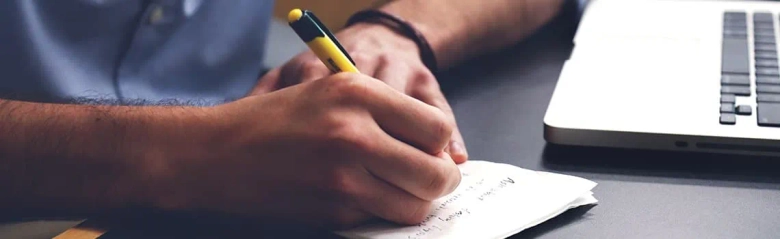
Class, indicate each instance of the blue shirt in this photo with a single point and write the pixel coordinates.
(122, 50)
(129, 51)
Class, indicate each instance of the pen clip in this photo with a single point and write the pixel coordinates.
(330, 35)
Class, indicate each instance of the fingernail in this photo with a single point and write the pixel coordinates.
(457, 148)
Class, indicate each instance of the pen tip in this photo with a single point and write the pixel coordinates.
(294, 15)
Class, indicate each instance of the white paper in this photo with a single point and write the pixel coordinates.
(493, 200)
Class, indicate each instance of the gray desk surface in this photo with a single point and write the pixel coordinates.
(500, 102)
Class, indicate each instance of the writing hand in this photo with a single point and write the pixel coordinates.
(332, 152)
(379, 52)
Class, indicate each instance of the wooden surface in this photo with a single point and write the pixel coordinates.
(90, 229)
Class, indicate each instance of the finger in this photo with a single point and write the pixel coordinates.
(268, 83)
(394, 74)
(404, 117)
(367, 64)
(304, 67)
(428, 91)
(307, 68)
(397, 76)
(423, 175)
(312, 70)
(389, 202)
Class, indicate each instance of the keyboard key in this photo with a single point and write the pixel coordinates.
(726, 108)
(728, 21)
(766, 62)
(737, 34)
(757, 26)
(735, 90)
(762, 17)
(735, 57)
(744, 110)
(728, 118)
(735, 79)
(768, 80)
(736, 26)
(764, 39)
(733, 20)
(729, 31)
(768, 98)
(727, 98)
(768, 89)
(763, 32)
(767, 71)
(765, 47)
(765, 54)
(735, 14)
(768, 114)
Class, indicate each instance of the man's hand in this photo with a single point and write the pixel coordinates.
(333, 152)
(379, 52)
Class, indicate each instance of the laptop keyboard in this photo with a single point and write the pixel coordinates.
(736, 70)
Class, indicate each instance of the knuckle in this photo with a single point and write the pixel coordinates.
(442, 104)
(386, 58)
(349, 87)
(444, 181)
(311, 69)
(311, 65)
(345, 134)
(341, 183)
(438, 185)
(416, 213)
(425, 78)
(442, 125)
(361, 58)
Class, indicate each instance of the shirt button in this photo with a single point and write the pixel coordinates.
(156, 16)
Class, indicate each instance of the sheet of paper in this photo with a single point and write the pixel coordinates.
(492, 201)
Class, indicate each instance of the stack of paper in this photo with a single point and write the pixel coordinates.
(493, 200)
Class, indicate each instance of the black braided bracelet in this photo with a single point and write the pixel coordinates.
(403, 27)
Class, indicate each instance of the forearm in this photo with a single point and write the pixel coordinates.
(77, 157)
(459, 29)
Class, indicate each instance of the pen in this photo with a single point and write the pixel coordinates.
(321, 41)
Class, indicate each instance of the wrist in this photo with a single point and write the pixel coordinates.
(174, 141)
(403, 28)
(449, 29)
(380, 36)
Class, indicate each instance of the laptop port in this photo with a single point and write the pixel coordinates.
(681, 144)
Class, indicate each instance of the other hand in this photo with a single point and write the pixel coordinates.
(383, 54)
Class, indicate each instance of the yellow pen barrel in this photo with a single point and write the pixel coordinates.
(331, 55)
(321, 41)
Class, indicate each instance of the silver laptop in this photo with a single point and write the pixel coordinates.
(672, 75)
